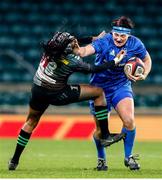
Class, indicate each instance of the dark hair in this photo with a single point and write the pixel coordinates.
(123, 21)
(56, 46)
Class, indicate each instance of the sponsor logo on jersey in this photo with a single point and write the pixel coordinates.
(65, 61)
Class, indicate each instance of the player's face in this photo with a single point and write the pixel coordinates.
(119, 39)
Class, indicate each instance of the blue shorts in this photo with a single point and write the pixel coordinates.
(114, 95)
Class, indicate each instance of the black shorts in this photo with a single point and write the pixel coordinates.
(42, 97)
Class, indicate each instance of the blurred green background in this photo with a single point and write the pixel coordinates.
(25, 24)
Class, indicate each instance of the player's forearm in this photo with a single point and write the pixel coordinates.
(109, 64)
(102, 67)
(148, 65)
(81, 52)
(89, 68)
(84, 51)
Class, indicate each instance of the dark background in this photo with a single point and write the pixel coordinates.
(25, 24)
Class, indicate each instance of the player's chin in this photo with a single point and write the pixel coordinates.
(119, 44)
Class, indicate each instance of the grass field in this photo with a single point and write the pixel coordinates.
(76, 159)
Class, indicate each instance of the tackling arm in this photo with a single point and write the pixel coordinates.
(89, 68)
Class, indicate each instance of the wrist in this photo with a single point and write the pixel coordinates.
(116, 60)
(144, 75)
(76, 51)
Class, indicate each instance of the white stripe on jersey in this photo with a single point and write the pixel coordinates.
(40, 74)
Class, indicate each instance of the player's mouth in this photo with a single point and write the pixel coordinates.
(118, 43)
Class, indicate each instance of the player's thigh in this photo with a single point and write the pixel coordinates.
(88, 92)
(123, 103)
(38, 100)
(70, 94)
(125, 109)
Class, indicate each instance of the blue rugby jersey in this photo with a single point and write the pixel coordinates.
(105, 49)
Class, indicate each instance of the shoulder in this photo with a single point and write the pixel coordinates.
(136, 46)
(103, 42)
(134, 41)
(107, 38)
(71, 59)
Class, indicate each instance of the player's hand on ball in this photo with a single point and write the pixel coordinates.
(140, 77)
(119, 56)
(136, 78)
(131, 77)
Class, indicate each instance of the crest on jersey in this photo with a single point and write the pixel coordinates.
(112, 53)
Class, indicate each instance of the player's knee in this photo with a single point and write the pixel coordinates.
(129, 123)
(98, 90)
(101, 96)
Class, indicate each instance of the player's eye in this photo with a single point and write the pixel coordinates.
(123, 36)
(116, 34)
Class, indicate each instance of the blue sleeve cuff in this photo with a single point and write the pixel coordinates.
(96, 46)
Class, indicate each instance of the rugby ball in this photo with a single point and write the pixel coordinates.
(134, 66)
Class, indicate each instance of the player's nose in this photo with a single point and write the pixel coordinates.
(118, 39)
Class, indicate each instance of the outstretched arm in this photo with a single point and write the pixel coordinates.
(84, 51)
(89, 68)
(89, 49)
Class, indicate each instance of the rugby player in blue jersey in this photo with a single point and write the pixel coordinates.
(116, 85)
(51, 86)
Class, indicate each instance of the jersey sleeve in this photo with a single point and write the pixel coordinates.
(99, 45)
(78, 65)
